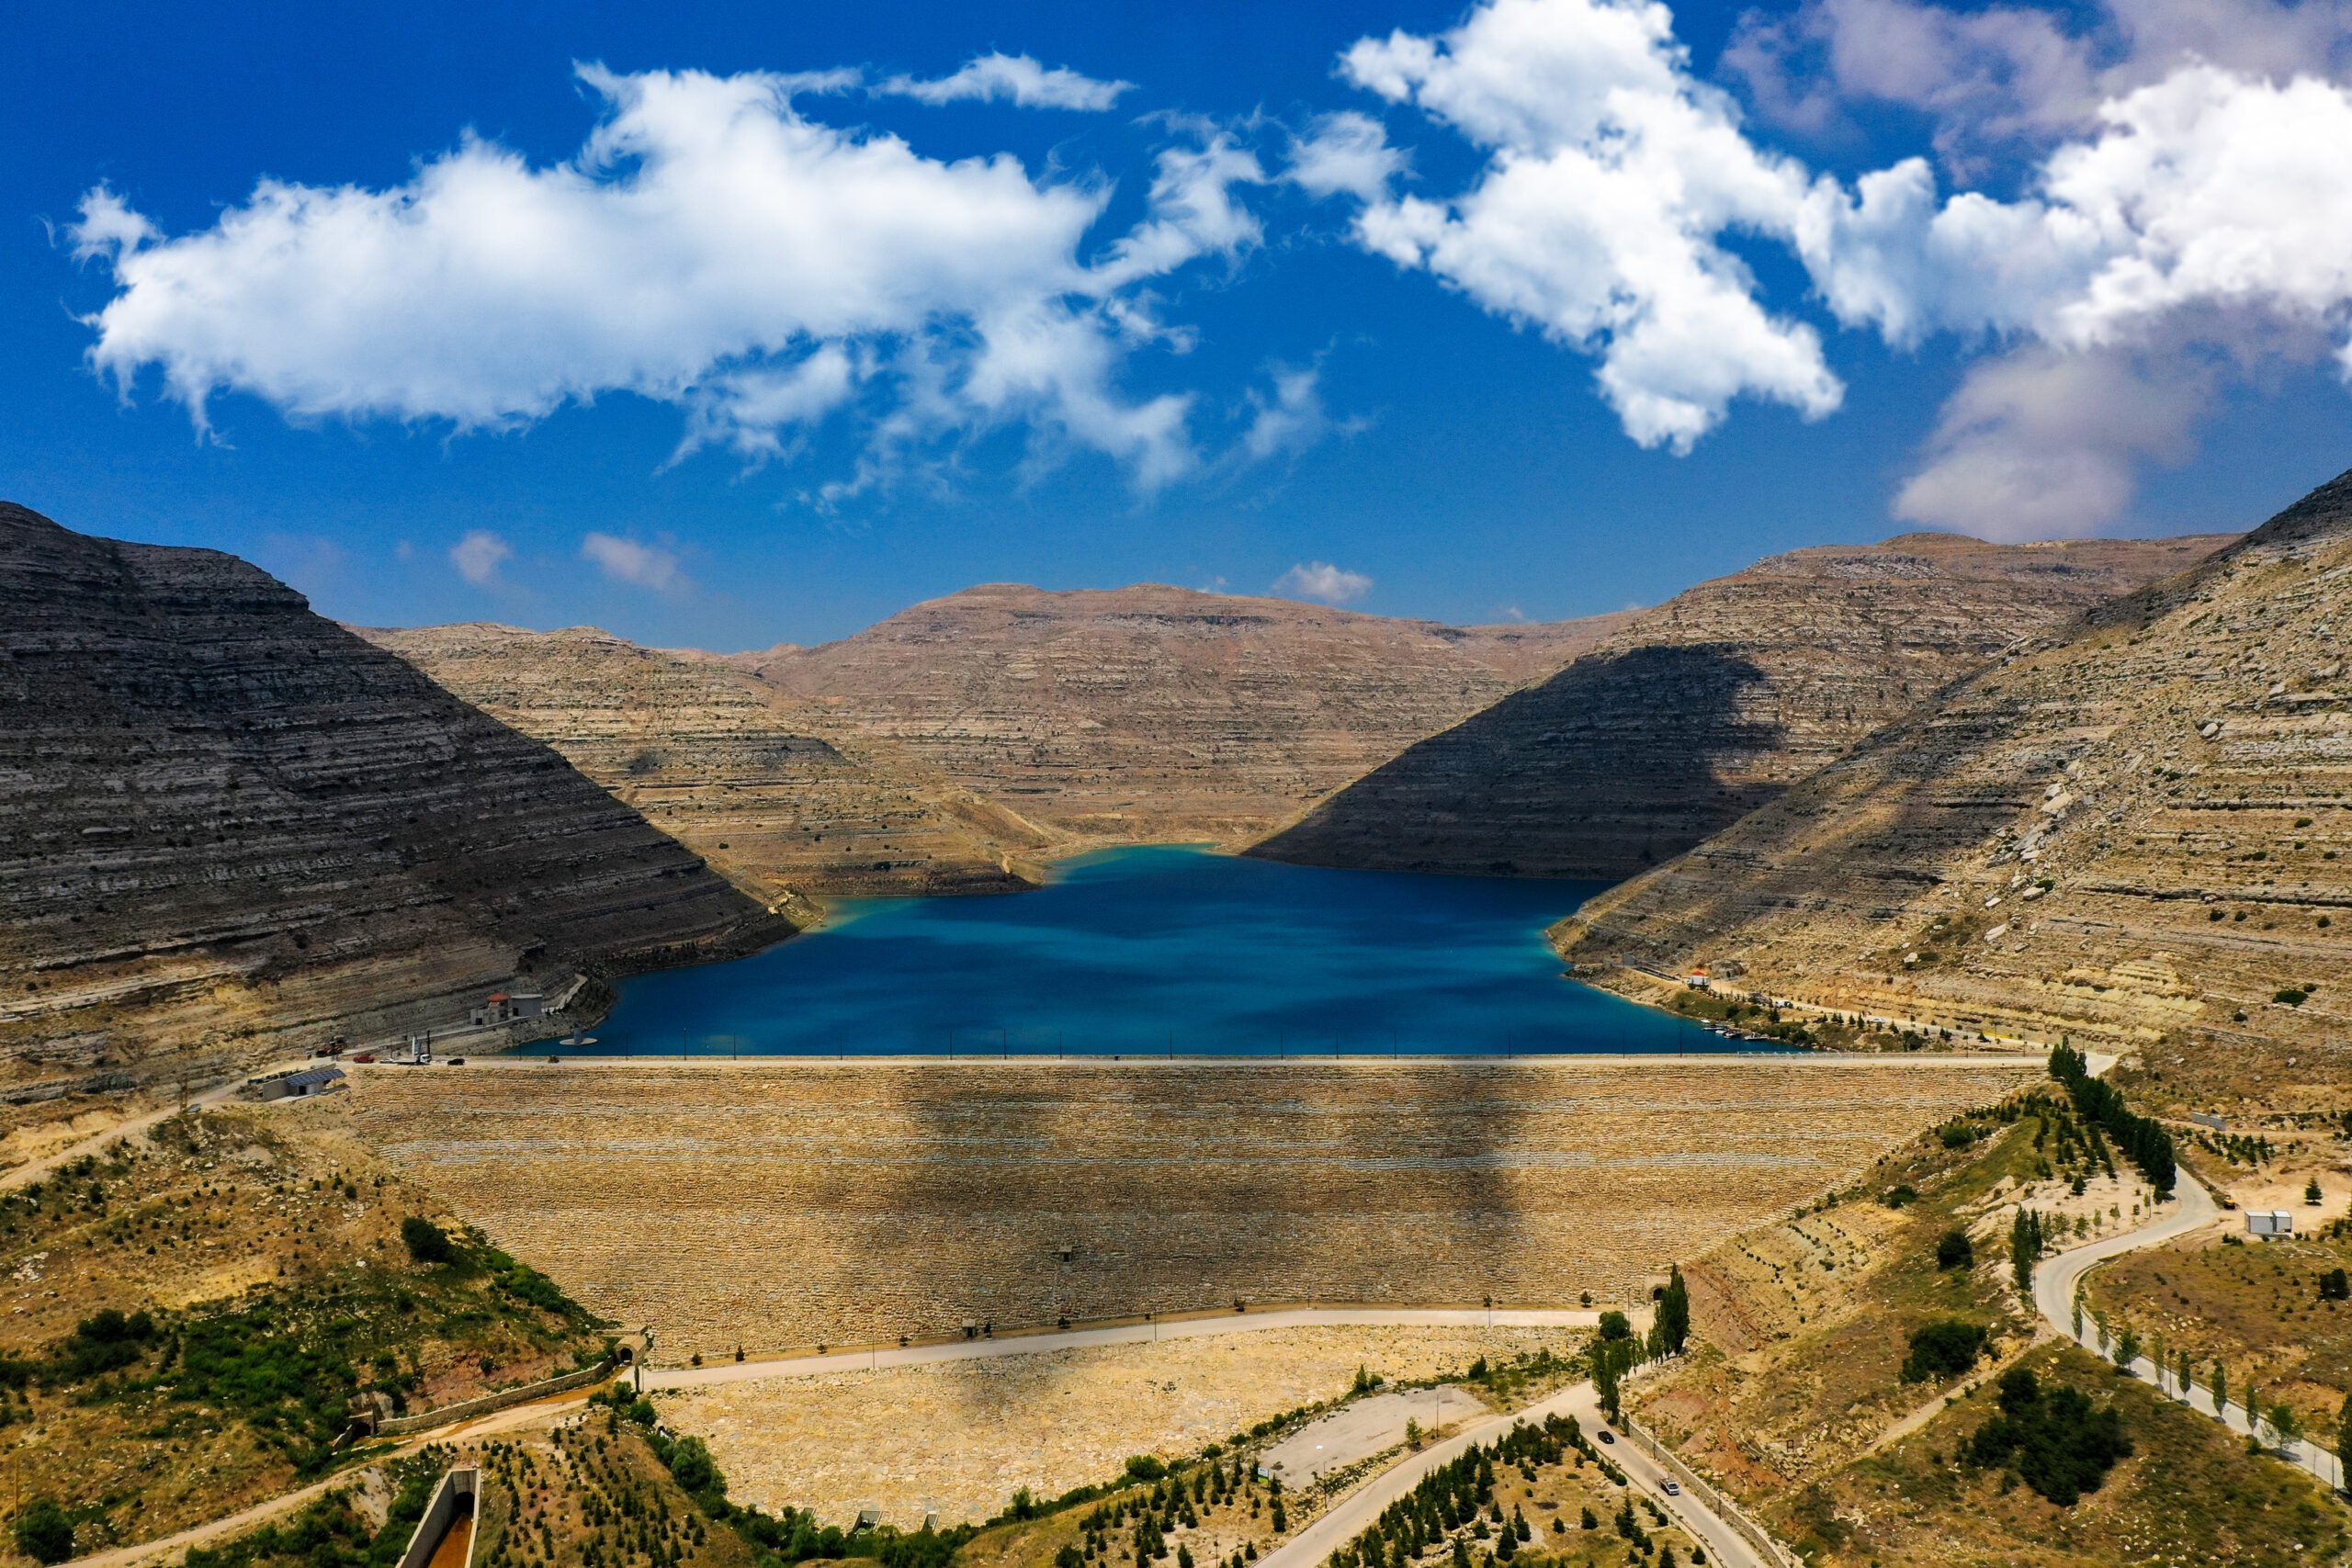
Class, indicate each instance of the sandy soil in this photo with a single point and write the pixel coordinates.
(962, 1436)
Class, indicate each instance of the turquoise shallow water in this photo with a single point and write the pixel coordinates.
(1158, 949)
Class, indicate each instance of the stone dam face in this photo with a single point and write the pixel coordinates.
(789, 1202)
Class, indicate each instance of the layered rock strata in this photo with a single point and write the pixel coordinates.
(779, 793)
(2137, 833)
(1699, 711)
(228, 824)
(1153, 712)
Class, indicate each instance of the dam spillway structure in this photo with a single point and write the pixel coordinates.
(445, 1536)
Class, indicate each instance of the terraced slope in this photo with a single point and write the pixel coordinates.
(780, 795)
(226, 822)
(2137, 832)
(1153, 712)
(1698, 712)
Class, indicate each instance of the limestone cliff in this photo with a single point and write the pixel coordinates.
(228, 824)
(1705, 708)
(777, 793)
(2137, 832)
(1153, 712)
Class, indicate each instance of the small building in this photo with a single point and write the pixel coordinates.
(299, 1085)
(506, 1007)
(2208, 1120)
(2269, 1225)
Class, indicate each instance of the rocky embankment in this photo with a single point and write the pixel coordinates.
(1700, 710)
(1153, 712)
(226, 824)
(780, 795)
(2137, 833)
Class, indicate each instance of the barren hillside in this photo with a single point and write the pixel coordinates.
(1153, 712)
(1701, 710)
(225, 821)
(777, 793)
(2132, 833)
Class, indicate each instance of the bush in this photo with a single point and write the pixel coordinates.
(43, 1532)
(1144, 1466)
(427, 1243)
(1941, 1349)
(105, 1343)
(1954, 1250)
(2057, 1441)
(2336, 1285)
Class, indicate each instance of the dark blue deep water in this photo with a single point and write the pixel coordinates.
(1145, 950)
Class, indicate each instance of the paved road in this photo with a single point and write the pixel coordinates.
(1123, 1333)
(2056, 1280)
(546, 1412)
(1353, 1514)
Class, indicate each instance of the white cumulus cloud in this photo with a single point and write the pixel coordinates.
(1014, 78)
(710, 245)
(1611, 176)
(479, 556)
(1344, 152)
(1321, 579)
(639, 565)
(2187, 214)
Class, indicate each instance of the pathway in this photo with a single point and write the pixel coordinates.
(1356, 1513)
(875, 1357)
(2056, 1280)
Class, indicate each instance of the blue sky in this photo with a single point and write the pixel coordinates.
(1538, 308)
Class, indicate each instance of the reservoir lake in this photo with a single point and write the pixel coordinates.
(1155, 950)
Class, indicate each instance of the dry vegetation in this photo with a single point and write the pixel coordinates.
(962, 1436)
(253, 1263)
(789, 1203)
(2190, 1497)
(2258, 1308)
(1797, 1400)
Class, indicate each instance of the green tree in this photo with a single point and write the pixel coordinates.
(1615, 1325)
(2220, 1386)
(427, 1243)
(2024, 1248)
(1674, 1312)
(43, 1532)
(2127, 1348)
(2343, 1434)
(1954, 1250)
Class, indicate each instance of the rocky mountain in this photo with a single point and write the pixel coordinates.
(779, 793)
(227, 823)
(2136, 831)
(1694, 714)
(1154, 712)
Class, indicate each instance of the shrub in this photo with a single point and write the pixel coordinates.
(1954, 1250)
(43, 1532)
(2291, 996)
(2058, 1442)
(426, 1242)
(1144, 1466)
(105, 1343)
(2336, 1285)
(1941, 1349)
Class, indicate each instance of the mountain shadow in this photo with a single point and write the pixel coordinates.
(1620, 761)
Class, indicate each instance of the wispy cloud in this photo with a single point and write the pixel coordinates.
(479, 556)
(1321, 579)
(1013, 78)
(640, 565)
